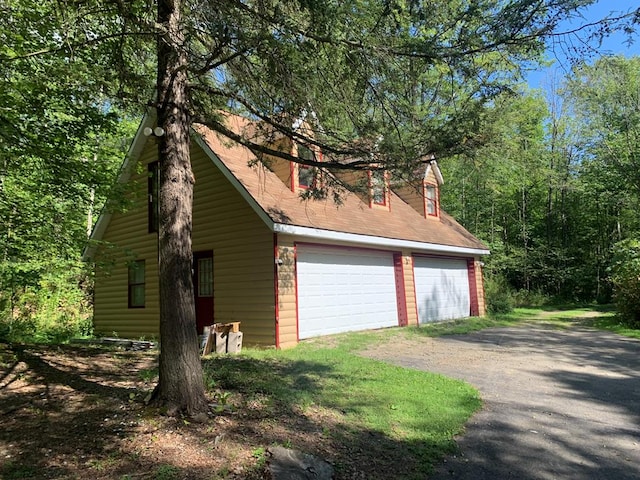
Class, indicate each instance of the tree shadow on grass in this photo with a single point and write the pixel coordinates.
(69, 413)
(285, 381)
(285, 391)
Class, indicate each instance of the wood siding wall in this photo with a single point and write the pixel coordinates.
(243, 254)
(410, 287)
(413, 195)
(223, 222)
(356, 179)
(280, 166)
(482, 306)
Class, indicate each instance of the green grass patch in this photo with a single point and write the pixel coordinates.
(602, 317)
(406, 418)
(612, 323)
(473, 324)
(409, 413)
(560, 316)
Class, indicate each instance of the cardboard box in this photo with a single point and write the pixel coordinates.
(227, 327)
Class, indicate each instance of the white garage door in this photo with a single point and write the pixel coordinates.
(342, 290)
(442, 288)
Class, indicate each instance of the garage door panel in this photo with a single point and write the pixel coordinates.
(343, 290)
(442, 289)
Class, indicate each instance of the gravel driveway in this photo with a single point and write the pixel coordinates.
(559, 403)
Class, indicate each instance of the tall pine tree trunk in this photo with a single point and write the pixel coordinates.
(180, 388)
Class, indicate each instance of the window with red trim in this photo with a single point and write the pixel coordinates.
(306, 173)
(379, 187)
(431, 199)
(306, 176)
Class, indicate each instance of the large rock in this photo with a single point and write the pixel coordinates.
(287, 464)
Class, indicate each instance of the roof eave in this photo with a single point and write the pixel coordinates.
(317, 234)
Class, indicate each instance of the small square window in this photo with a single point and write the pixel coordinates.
(136, 284)
(305, 153)
(306, 176)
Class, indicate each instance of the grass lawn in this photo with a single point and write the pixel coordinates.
(602, 317)
(613, 324)
(405, 419)
(77, 411)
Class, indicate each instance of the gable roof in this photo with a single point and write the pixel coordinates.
(284, 211)
(432, 166)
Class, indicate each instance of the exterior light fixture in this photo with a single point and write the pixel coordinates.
(156, 132)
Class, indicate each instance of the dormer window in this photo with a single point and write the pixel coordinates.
(431, 199)
(379, 187)
(305, 175)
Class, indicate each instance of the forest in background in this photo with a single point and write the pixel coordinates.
(551, 186)
(554, 192)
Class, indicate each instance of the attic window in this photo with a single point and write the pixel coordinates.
(306, 173)
(379, 187)
(306, 176)
(431, 199)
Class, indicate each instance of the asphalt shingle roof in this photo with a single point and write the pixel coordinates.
(284, 206)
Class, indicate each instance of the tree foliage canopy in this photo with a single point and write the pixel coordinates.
(411, 77)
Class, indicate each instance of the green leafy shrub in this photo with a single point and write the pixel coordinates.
(530, 298)
(52, 308)
(498, 295)
(625, 278)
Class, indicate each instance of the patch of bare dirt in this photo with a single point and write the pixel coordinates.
(78, 412)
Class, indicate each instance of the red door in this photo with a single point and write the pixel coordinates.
(203, 288)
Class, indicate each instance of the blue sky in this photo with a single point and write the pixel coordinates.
(565, 47)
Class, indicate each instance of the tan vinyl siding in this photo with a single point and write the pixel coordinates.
(280, 166)
(409, 287)
(127, 239)
(287, 311)
(223, 222)
(355, 180)
(243, 262)
(413, 195)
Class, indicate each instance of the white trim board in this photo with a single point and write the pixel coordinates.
(367, 240)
